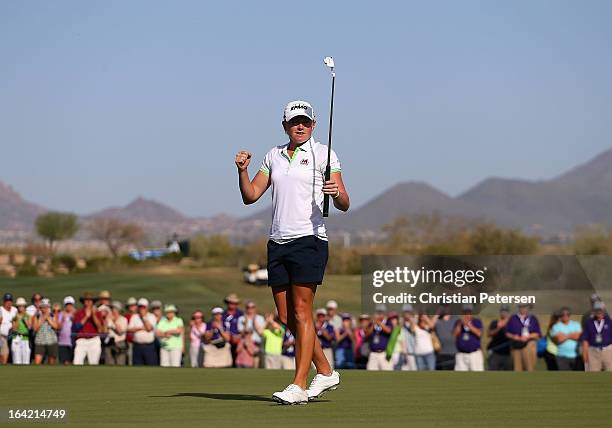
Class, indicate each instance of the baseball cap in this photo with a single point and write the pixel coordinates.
(346, 316)
(332, 304)
(117, 305)
(407, 308)
(7, 297)
(597, 306)
(156, 304)
(298, 108)
(364, 316)
(321, 311)
(21, 302)
(143, 302)
(131, 301)
(170, 308)
(45, 303)
(68, 300)
(216, 310)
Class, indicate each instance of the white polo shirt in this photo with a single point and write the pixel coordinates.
(297, 189)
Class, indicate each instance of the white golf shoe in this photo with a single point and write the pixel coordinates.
(321, 384)
(293, 394)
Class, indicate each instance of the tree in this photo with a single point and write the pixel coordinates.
(56, 226)
(592, 240)
(488, 239)
(115, 233)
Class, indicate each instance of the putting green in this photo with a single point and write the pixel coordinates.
(145, 397)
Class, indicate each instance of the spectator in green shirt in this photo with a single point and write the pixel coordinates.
(170, 330)
(20, 346)
(273, 342)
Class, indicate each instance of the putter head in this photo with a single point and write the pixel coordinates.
(329, 61)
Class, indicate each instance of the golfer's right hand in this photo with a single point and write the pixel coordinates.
(243, 159)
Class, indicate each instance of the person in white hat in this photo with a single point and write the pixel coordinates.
(217, 349)
(170, 332)
(142, 324)
(297, 249)
(65, 348)
(332, 314)
(22, 323)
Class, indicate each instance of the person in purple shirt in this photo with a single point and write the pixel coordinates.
(378, 334)
(467, 332)
(523, 330)
(597, 340)
(230, 322)
(288, 352)
(345, 358)
(65, 342)
(326, 334)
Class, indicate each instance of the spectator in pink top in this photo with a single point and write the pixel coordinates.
(196, 332)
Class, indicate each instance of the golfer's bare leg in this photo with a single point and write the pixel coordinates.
(286, 313)
(302, 296)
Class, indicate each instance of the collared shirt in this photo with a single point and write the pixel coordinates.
(467, 341)
(297, 195)
(517, 325)
(380, 339)
(143, 337)
(593, 327)
(230, 321)
(89, 329)
(326, 327)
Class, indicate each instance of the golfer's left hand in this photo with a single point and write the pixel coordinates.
(330, 188)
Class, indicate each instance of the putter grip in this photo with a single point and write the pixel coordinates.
(326, 197)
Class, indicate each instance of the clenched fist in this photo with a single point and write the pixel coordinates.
(243, 159)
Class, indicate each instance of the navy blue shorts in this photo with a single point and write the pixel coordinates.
(301, 261)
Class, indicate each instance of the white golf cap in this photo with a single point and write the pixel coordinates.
(143, 302)
(298, 108)
(68, 300)
(321, 311)
(332, 304)
(217, 310)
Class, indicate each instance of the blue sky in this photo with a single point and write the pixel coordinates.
(101, 102)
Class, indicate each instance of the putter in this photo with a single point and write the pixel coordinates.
(329, 62)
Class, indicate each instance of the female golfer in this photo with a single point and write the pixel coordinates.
(297, 249)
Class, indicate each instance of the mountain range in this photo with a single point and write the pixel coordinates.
(554, 207)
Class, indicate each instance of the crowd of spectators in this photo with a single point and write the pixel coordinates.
(139, 332)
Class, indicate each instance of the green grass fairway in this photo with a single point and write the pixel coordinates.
(145, 397)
